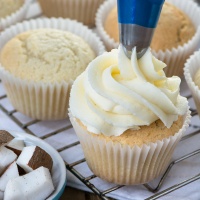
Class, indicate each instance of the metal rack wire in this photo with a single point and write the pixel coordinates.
(156, 191)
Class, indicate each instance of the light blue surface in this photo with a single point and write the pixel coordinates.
(141, 12)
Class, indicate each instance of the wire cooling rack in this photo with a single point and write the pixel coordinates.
(57, 133)
(61, 136)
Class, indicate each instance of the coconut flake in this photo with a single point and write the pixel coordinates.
(34, 185)
(5, 137)
(6, 158)
(10, 173)
(33, 157)
(16, 146)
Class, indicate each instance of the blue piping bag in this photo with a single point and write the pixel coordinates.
(137, 22)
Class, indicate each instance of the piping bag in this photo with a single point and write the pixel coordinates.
(137, 21)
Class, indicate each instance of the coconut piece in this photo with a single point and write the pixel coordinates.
(21, 171)
(6, 158)
(5, 137)
(10, 173)
(37, 184)
(13, 191)
(33, 157)
(16, 146)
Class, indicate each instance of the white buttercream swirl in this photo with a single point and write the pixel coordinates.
(115, 94)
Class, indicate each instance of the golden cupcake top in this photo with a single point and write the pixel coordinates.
(174, 28)
(119, 94)
(7, 7)
(46, 55)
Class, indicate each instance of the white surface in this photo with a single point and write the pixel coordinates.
(179, 172)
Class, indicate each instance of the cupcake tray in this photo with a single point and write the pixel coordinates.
(180, 180)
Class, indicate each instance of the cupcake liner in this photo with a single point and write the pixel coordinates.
(81, 10)
(15, 17)
(174, 58)
(101, 16)
(40, 100)
(122, 164)
(190, 69)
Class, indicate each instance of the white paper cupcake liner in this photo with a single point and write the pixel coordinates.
(174, 58)
(81, 10)
(190, 69)
(15, 17)
(101, 16)
(122, 164)
(36, 99)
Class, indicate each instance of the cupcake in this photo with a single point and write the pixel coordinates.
(12, 11)
(40, 60)
(192, 77)
(80, 10)
(127, 135)
(177, 34)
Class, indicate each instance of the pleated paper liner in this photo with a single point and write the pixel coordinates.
(123, 164)
(40, 100)
(191, 67)
(15, 17)
(81, 10)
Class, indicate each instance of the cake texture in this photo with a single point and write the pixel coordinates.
(174, 28)
(176, 36)
(8, 7)
(197, 78)
(39, 61)
(81, 10)
(132, 132)
(46, 55)
(12, 11)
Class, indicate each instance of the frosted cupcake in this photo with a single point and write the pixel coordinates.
(127, 134)
(12, 11)
(80, 10)
(40, 60)
(176, 37)
(192, 77)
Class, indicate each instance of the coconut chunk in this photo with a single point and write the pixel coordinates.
(34, 185)
(10, 173)
(33, 157)
(6, 158)
(16, 146)
(5, 137)
(1, 195)
(13, 191)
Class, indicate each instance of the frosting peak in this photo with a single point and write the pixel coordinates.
(115, 93)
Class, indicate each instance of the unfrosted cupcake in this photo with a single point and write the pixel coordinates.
(12, 11)
(127, 135)
(177, 34)
(40, 59)
(192, 77)
(81, 10)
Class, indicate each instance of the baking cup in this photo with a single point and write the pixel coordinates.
(174, 58)
(190, 69)
(125, 165)
(15, 17)
(40, 100)
(81, 10)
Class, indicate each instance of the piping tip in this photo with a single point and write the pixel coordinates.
(140, 53)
